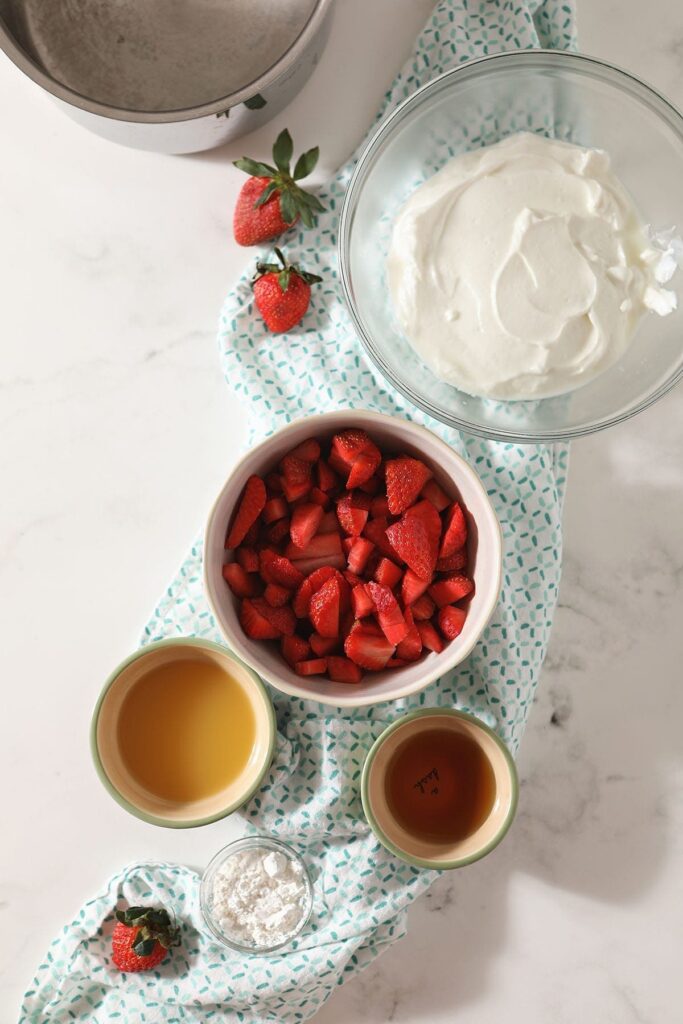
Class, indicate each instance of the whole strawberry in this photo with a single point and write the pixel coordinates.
(271, 201)
(282, 293)
(142, 937)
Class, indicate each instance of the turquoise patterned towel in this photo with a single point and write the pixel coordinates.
(310, 797)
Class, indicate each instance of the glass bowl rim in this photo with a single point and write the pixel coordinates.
(246, 843)
(592, 67)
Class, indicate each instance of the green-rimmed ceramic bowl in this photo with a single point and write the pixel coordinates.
(111, 766)
(427, 853)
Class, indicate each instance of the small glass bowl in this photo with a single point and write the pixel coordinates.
(566, 95)
(238, 846)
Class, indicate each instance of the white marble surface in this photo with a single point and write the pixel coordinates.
(116, 431)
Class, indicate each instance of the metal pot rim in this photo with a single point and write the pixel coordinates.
(26, 64)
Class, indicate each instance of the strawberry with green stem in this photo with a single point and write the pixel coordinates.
(142, 938)
(282, 293)
(271, 201)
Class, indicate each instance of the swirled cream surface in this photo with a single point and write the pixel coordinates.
(520, 270)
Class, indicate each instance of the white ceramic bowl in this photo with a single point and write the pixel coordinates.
(484, 548)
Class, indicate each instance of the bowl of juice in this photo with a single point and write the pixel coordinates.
(183, 733)
(439, 788)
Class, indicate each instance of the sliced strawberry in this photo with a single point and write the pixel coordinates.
(354, 451)
(274, 509)
(305, 522)
(320, 546)
(397, 663)
(249, 509)
(410, 648)
(359, 554)
(309, 565)
(412, 587)
(342, 670)
(423, 608)
(325, 608)
(294, 648)
(367, 649)
(379, 507)
(451, 589)
(295, 492)
(252, 535)
(453, 562)
(455, 531)
(308, 450)
(315, 667)
(296, 477)
(319, 497)
(429, 636)
(277, 596)
(273, 484)
(320, 576)
(247, 558)
(277, 532)
(256, 625)
(405, 478)
(327, 480)
(411, 540)
(389, 615)
(347, 544)
(376, 531)
(329, 523)
(278, 569)
(281, 619)
(302, 599)
(364, 468)
(351, 519)
(240, 582)
(451, 620)
(352, 579)
(388, 573)
(361, 602)
(371, 486)
(432, 492)
(323, 645)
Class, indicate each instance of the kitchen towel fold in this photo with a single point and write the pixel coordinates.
(310, 798)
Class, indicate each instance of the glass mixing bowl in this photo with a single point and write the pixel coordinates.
(566, 95)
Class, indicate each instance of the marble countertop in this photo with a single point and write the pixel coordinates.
(116, 432)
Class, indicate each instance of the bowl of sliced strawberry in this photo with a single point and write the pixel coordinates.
(352, 558)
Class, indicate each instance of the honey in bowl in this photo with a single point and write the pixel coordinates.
(440, 785)
(186, 730)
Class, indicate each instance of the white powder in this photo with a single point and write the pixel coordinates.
(259, 897)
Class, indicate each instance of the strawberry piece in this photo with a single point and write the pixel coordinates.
(379, 507)
(241, 584)
(451, 620)
(274, 509)
(352, 579)
(308, 450)
(296, 471)
(429, 636)
(324, 608)
(361, 602)
(329, 523)
(359, 554)
(353, 451)
(252, 535)
(364, 647)
(412, 587)
(432, 492)
(273, 484)
(323, 645)
(277, 596)
(294, 648)
(351, 519)
(320, 576)
(319, 497)
(455, 531)
(405, 478)
(343, 670)
(278, 569)
(281, 619)
(315, 667)
(451, 589)
(388, 573)
(247, 558)
(295, 491)
(305, 522)
(302, 598)
(453, 562)
(309, 565)
(327, 480)
(411, 540)
(256, 625)
(397, 663)
(364, 468)
(278, 531)
(371, 486)
(376, 531)
(323, 545)
(250, 507)
(347, 544)
(389, 615)
(423, 608)
(410, 648)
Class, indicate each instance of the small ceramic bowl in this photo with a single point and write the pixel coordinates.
(395, 435)
(112, 769)
(428, 853)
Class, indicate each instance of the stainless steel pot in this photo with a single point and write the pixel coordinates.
(175, 76)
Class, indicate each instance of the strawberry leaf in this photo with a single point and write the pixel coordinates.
(144, 947)
(254, 167)
(288, 207)
(306, 163)
(282, 151)
(256, 102)
(267, 193)
(283, 278)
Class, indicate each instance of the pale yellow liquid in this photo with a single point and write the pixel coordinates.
(186, 730)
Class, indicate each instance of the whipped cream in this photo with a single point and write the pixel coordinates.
(520, 270)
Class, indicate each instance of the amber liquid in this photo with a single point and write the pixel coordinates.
(440, 785)
(186, 730)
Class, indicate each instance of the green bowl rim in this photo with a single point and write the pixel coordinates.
(153, 819)
(372, 821)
